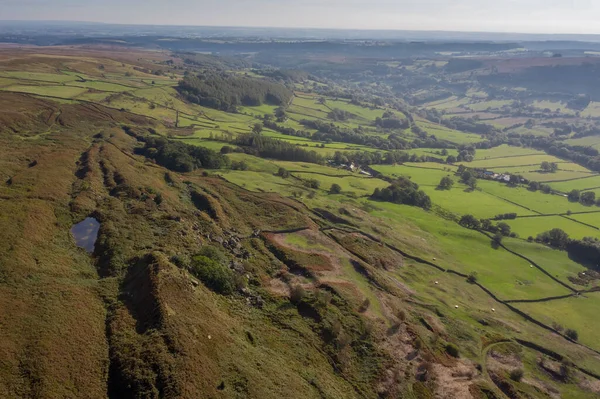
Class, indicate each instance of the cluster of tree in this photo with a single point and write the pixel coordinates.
(328, 132)
(549, 167)
(535, 186)
(390, 121)
(469, 125)
(340, 115)
(227, 92)
(499, 230)
(182, 157)
(468, 177)
(403, 191)
(587, 198)
(366, 158)
(462, 65)
(586, 250)
(446, 183)
(267, 147)
(286, 75)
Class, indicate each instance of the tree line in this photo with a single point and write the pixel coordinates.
(267, 147)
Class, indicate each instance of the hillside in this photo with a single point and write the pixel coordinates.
(245, 254)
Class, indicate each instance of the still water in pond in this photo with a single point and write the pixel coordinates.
(86, 233)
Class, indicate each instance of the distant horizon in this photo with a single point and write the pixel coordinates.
(546, 17)
(292, 28)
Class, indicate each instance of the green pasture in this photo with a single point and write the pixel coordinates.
(468, 251)
(534, 200)
(418, 174)
(556, 176)
(448, 103)
(579, 313)
(460, 201)
(527, 227)
(590, 218)
(351, 185)
(54, 91)
(39, 76)
(505, 151)
(512, 161)
(444, 133)
(587, 182)
(366, 114)
(589, 141)
(593, 110)
(554, 261)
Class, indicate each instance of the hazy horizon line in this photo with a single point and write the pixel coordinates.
(58, 21)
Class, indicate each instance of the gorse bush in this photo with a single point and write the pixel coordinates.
(209, 266)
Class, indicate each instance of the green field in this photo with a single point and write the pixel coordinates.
(584, 320)
(418, 173)
(578, 184)
(351, 185)
(467, 251)
(505, 151)
(54, 91)
(536, 201)
(532, 160)
(444, 133)
(527, 227)
(555, 262)
(591, 219)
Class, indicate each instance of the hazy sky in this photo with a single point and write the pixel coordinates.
(538, 16)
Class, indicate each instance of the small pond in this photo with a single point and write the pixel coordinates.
(86, 233)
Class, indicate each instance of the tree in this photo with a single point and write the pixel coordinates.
(446, 183)
(497, 238)
(472, 277)
(503, 228)
(572, 334)
(555, 237)
(283, 173)
(335, 189)
(472, 183)
(257, 128)
(470, 222)
(588, 198)
(516, 375)
(466, 176)
(451, 159)
(545, 166)
(574, 195)
(553, 167)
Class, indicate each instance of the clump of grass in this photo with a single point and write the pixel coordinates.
(516, 374)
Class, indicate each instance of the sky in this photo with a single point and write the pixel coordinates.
(523, 16)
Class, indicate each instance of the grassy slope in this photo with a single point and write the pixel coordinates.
(220, 350)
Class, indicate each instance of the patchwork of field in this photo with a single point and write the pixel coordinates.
(531, 227)
(584, 319)
(468, 251)
(444, 133)
(585, 183)
(536, 201)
